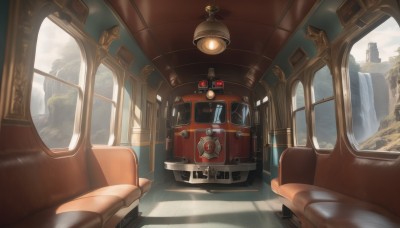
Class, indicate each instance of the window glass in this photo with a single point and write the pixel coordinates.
(373, 75)
(240, 114)
(181, 114)
(322, 84)
(265, 99)
(301, 128)
(126, 111)
(56, 89)
(299, 96)
(210, 112)
(324, 110)
(103, 106)
(299, 115)
(325, 124)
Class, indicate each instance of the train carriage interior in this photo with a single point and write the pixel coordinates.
(200, 113)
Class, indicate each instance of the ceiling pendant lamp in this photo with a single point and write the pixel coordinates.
(211, 36)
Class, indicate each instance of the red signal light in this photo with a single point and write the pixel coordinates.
(218, 84)
(203, 84)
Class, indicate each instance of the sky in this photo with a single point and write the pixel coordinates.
(52, 42)
(387, 37)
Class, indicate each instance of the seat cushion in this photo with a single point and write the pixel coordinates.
(125, 192)
(145, 185)
(302, 195)
(346, 214)
(275, 185)
(91, 211)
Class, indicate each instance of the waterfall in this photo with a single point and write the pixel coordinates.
(37, 98)
(368, 120)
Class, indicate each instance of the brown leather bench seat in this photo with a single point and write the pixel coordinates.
(96, 189)
(144, 185)
(93, 209)
(317, 206)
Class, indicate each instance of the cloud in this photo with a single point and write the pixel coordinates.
(51, 44)
(387, 37)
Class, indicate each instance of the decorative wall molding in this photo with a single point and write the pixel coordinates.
(145, 73)
(319, 37)
(125, 57)
(280, 101)
(321, 41)
(298, 58)
(18, 64)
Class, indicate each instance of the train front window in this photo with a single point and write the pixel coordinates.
(324, 110)
(240, 114)
(57, 87)
(181, 114)
(210, 112)
(373, 80)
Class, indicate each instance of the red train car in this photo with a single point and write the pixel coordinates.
(212, 140)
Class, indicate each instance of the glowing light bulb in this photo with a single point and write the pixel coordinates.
(212, 44)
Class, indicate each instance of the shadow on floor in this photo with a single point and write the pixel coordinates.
(176, 204)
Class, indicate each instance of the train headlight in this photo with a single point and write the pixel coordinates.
(210, 94)
(184, 134)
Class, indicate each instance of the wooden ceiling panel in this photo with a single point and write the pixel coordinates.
(146, 42)
(194, 56)
(160, 12)
(278, 39)
(248, 37)
(262, 12)
(173, 39)
(295, 14)
(258, 28)
(128, 14)
(223, 71)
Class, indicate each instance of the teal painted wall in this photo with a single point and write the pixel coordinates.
(143, 155)
(161, 156)
(101, 18)
(4, 5)
(321, 17)
(274, 162)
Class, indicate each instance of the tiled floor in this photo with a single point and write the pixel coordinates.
(173, 204)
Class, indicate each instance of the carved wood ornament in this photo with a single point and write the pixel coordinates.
(280, 100)
(108, 36)
(319, 37)
(145, 72)
(321, 41)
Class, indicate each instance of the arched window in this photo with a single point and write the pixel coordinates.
(373, 79)
(299, 112)
(104, 105)
(323, 104)
(127, 111)
(57, 87)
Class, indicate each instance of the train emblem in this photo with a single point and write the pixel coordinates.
(209, 147)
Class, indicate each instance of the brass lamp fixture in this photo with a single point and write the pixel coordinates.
(211, 36)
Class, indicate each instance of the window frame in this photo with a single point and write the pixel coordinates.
(75, 34)
(230, 114)
(107, 62)
(174, 124)
(296, 110)
(131, 101)
(213, 101)
(353, 38)
(313, 103)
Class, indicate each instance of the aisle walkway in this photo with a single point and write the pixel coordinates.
(172, 204)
